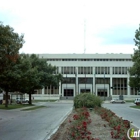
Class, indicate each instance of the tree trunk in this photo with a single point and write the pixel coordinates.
(30, 97)
(6, 98)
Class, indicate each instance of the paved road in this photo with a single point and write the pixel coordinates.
(33, 125)
(124, 110)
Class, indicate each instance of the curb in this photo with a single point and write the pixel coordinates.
(134, 126)
(61, 121)
(131, 123)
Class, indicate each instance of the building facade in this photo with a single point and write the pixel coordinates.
(101, 74)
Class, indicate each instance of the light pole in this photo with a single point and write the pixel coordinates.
(95, 83)
(76, 81)
(85, 82)
(66, 85)
(104, 85)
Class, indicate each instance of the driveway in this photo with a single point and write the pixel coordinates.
(125, 111)
(37, 124)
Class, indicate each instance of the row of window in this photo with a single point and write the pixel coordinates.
(85, 70)
(102, 70)
(116, 82)
(119, 92)
(120, 70)
(89, 70)
(115, 91)
(54, 59)
(134, 91)
(68, 70)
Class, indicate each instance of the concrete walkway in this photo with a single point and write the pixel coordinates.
(65, 101)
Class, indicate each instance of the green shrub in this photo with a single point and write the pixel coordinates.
(87, 100)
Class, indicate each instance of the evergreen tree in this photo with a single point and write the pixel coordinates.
(10, 43)
(36, 73)
(134, 71)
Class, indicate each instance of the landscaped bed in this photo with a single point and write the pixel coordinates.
(90, 121)
(98, 124)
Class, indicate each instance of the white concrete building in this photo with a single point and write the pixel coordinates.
(101, 74)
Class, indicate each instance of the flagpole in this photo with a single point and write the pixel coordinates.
(66, 84)
(104, 85)
(76, 81)
(85, 82)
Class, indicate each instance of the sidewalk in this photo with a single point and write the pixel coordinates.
(6, 115)
(65, 101)
(106, 102)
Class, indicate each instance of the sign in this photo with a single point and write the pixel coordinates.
(132, 133)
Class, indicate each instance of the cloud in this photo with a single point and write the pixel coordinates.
(121, 34)
(52, 26)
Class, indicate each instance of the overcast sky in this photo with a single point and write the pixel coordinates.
(57, 26)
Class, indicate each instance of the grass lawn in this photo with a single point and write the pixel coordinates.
(136, 106)
(35, 101)
(14, 106)
(129, 101)
(33, 108)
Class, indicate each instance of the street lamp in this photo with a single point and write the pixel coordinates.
(95, 83)
(76, 81)
(85, 82)
(104, 85)
(66, 84)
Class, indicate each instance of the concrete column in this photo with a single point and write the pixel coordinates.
(94, 84)
(59, 88)
(128, 87)
(53, 90)
(60, 71)
(76, 76)
(50, 89)
(47, 90)
(111, 72)
(110, 86)
(43, 90)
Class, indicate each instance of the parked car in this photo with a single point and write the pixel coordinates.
(116, 100)
(137, 101)
(22, 100)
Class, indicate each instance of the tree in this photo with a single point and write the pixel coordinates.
(10, 43)
(36, 74)
(134, 71)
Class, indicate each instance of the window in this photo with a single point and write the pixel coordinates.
(82, 70)
(119, 70)
(96, 70)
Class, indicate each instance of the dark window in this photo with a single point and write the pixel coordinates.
(68, 92)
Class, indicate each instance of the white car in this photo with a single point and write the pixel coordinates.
(22, 100)
(116, 100)
(137, 101)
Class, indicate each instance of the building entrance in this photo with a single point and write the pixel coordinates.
(102, 92)
(68, 92)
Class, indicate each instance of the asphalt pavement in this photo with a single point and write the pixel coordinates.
(37, 124)
(41, 123)
(126, 112)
